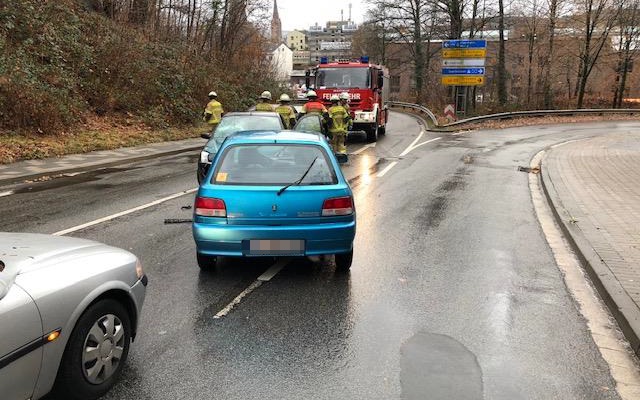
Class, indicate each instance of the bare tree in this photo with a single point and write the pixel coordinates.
(502, 69)
(628, 39)
(599, 17)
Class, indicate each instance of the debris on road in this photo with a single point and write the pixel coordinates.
(534, 170)
(188, 207)
(178, 221)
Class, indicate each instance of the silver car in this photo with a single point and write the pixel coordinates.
(68, 311)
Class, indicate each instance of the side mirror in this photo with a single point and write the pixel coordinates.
(206, 135)
(380, 79)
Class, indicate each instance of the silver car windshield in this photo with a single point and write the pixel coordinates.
(274, 164)
(238, 123)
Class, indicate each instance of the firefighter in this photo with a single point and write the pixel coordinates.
(213, 111)
(287, 113)
(339, 123)
(313, 105)
(265, 102)
(344, 101)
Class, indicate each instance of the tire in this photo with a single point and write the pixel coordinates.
(343, 261)
(104, 327)
(206, 262)
(372, 134)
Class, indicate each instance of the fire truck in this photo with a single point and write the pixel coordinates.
(365, 83)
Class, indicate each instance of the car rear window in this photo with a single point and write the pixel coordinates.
(231, 124)
(274, 164)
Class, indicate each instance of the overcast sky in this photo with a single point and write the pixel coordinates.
(301, 14)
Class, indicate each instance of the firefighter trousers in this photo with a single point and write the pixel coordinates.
(337, 142)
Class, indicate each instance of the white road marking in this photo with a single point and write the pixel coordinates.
(408, 149)
(265, 277)
(363, 148)
(386, 169)
(615, 350)
(7, 193)
(122, 213)
(273, 270)
(458, 133)
(420, 144)
(237, 299)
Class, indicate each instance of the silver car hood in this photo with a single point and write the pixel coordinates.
(25, 252)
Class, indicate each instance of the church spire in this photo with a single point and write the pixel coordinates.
(276, 25)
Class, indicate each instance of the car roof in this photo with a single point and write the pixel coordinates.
(274, 136)
(252, 113)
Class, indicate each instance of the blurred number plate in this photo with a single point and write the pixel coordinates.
(274, 247)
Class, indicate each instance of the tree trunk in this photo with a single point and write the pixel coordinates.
(548, 94)
(419, 60)
(502, 70)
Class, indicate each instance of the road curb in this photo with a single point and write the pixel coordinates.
(96, 166)
(622, 307)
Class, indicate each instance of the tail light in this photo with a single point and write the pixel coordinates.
(337, 206)
(208, 207)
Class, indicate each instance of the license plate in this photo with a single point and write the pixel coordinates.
(274, 247)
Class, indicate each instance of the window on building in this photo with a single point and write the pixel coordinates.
(394, 84)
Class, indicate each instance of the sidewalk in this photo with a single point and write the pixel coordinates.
(594, 188)
(32, 169)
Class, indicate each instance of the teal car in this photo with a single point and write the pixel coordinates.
(278, 193)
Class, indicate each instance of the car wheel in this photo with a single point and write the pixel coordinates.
(206, 262)
(96, 352)
(344, 260)
(372, 134)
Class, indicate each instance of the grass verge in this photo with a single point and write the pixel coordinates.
(94, 135)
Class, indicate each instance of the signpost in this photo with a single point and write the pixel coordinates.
(463, 80)
(463, 65)
(462, 62)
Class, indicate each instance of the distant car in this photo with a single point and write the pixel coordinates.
(232, 123)
(311, 123)
(68, 311)
(274, 194)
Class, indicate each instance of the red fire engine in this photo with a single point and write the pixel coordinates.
(365, 84)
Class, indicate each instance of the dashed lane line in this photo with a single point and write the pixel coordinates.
(265, 277)
(363, 148)
(386, 169)
(123, 213)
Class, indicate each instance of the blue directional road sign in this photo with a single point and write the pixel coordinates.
(465, 44)
(463, 71)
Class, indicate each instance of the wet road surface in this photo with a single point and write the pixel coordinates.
(453, 294)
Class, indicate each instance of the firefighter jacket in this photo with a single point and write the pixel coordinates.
(214, 109)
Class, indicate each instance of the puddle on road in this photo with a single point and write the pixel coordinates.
(438, 367)
(435, 210)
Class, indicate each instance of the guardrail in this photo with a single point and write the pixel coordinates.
(510, 115)
(416, 107)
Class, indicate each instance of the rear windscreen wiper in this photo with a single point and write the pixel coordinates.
(299, 181)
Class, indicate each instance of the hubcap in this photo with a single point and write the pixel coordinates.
(103, 348)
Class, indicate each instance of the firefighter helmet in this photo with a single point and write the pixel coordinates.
(266, 95)
(335, 98)
(344, 96)
(311, 94)
(285, 97)
(213, 94)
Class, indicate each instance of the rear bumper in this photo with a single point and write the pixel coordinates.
(227, 240)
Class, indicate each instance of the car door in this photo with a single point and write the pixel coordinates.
(310, 123)
(20, 344)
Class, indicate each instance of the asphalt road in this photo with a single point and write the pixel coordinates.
(453, 294)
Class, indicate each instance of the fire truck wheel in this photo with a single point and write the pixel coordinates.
(382, 130)
(372, 134)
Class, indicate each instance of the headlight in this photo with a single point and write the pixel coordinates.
(204, 157)
(139, 270)
(364, 116)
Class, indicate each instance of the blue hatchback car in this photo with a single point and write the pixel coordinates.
(274, 194)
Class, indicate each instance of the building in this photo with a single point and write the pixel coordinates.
(297, 40)
(276, 24)
(281, 58)
(332, 41)
(301, 59)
